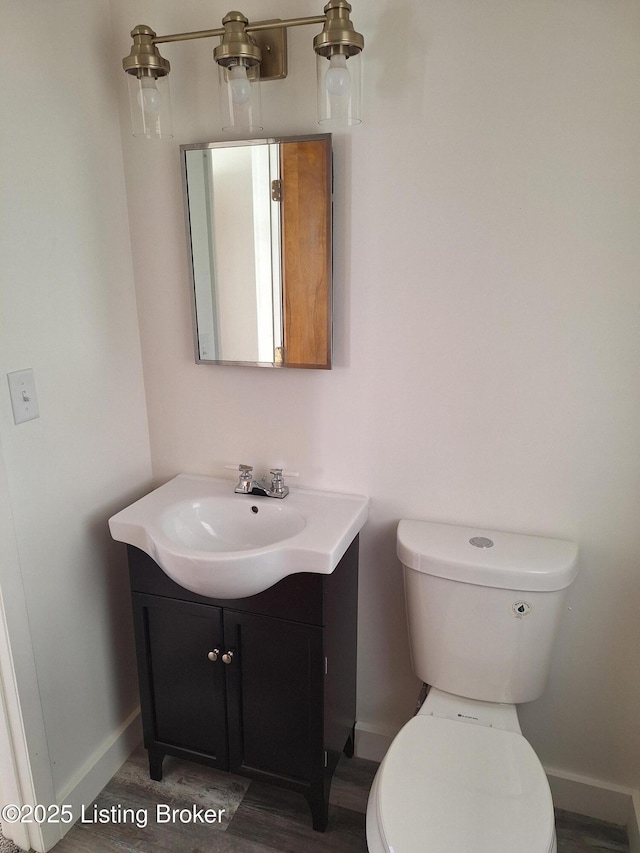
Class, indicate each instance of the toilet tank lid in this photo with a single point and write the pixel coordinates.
(513, 560)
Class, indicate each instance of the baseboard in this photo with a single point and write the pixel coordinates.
(372, 742)
(578, 794)
(103, 764)
(633, 823)
(592, 797)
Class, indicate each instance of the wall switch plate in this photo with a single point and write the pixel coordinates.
(22, 387)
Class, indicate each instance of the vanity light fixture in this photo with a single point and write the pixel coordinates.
(247, 53)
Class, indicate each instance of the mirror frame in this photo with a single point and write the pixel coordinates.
(303, 297)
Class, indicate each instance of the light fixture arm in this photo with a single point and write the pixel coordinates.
(257, 26)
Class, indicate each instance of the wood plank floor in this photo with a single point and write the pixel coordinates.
(257, 818)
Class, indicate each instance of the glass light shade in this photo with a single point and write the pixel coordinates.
(339, 82)
(240, 102)
(150, 105)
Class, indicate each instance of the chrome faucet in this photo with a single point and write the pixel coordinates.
(247, 485)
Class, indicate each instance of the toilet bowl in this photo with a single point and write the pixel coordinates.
(460, 786)
(483, 608)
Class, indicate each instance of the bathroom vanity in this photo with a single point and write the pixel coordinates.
(263, 686)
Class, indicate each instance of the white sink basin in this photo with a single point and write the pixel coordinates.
(218, 524)
(223, 545)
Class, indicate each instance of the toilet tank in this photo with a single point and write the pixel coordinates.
(483, 607)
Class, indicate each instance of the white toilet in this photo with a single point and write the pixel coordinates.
(482, 609)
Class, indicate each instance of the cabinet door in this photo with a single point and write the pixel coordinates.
(274, 696)
(182, 690)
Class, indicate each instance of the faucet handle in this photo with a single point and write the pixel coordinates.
(277, 483)
(245, 476)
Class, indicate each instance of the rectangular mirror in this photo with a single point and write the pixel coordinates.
(259, 236)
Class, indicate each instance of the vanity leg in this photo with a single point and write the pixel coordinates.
(318, 798)
(155, 764)
(319, 814)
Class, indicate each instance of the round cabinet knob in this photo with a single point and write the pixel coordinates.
(214, 655)
(227, 657)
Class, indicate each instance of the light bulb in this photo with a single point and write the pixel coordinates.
(149, 97)
(338, 79)
(239, 84)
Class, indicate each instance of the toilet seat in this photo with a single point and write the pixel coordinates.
(452, 786)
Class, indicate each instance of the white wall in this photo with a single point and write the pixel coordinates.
(67, 310)
(486, 318)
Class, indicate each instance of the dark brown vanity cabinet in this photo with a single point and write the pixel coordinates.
(262, 686)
